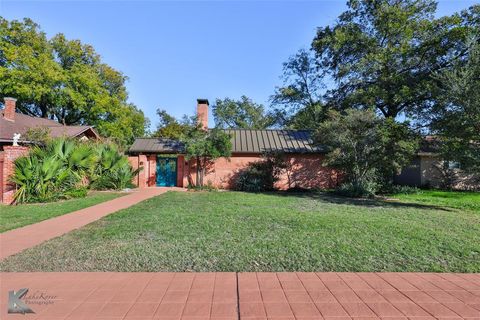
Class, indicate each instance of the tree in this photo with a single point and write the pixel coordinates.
(456, 119)
(383, 53)
(38, 135)
(65, 80)
(169, 127)
(27, 67)
(365, 147)
(204, 146)
(243, 113)
(300, 100)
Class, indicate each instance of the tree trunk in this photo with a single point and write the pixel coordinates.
(204, 164)
(197, 178)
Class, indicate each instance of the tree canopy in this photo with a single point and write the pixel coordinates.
(299, 101)
(65, 80)
(243, 114)
(383, 53)
(171, 128)
(456, 118)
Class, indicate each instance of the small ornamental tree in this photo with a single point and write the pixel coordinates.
(205, 146)
(366, 148)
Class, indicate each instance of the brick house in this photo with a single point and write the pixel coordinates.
(164, 162)
(428, 170)
(12, 122)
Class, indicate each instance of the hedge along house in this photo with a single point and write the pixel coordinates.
(164, 163)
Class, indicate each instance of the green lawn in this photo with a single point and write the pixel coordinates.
(12, 217)
(458, 200)
(232, 231)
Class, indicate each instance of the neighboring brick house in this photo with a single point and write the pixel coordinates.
(164, 163)
(430, 171)
(12, 122)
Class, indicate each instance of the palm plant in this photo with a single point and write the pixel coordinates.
(63, 165)
(41, 179)
(113, 171)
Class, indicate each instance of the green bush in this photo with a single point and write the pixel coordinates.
(208, 187)
(254, 178)
(262, 175)
(41, 179)
(363, 189)
(61, 168)
(79, 192)
(112, 170)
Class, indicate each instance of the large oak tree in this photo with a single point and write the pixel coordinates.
(383, 53)
(65, 80)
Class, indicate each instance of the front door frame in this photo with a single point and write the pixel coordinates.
(170, 181)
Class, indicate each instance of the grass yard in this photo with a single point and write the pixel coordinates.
(12, 217)
(458, 200)
(232, 231)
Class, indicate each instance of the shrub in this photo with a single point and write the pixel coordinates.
(61, 168)
(262, 175)
(112, 170)
(79, 192)
(255, 178)
(363, 189)
(369, 150)
(208, 187)
(41, 179)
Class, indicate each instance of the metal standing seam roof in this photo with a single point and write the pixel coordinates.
(258, 141)
(156, 145)
(243, 141)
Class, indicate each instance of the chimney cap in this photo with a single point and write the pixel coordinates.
(203, 101)
(9, 98)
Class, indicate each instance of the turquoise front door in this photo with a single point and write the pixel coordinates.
(166, 172)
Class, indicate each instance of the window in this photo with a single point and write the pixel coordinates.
(453, 165)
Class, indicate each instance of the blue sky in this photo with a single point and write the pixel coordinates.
(176, 52)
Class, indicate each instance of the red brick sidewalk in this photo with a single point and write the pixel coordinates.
(14, 241)
(196, 296)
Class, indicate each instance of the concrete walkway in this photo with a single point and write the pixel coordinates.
(14, 241)
(198, 296)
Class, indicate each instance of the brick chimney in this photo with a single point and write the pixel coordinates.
(202, 112)
(9, 111)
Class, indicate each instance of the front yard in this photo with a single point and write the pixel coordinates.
(230, 231)
(459, 200)
(12, 217)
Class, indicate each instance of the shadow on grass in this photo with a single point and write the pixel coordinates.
(330, 197)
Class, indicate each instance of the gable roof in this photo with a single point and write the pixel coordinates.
(156, 145)
(243, 141)
(24, 122)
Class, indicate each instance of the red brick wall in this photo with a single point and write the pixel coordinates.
(147, 176)
(181, 172)
(152, 170)
(306, 171)
(10, 153)
(134, 163)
